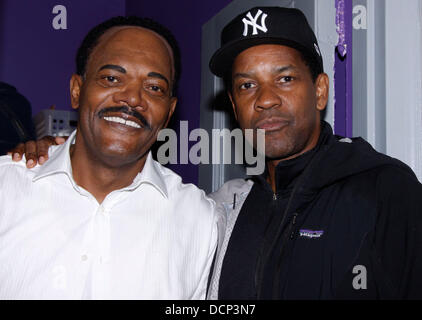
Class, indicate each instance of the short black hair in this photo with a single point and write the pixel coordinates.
(91, 41)
(310, 62)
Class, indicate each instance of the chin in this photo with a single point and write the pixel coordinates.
(277, 155)
(277, 150)
(117, 148)
(119, 151)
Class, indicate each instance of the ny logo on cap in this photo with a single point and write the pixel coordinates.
(253, 23)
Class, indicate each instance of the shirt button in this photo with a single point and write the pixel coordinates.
(84, 257)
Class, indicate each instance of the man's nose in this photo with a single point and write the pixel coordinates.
(267, 98)
(131, 95)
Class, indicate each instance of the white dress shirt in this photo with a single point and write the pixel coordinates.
(154, 239)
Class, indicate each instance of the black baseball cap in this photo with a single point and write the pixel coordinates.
(265, 25)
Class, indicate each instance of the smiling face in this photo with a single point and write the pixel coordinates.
(125, 98)
(272, 89)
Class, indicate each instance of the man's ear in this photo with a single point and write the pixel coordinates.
(75, 90)
(322, 85)
(233, 105)
(173, 103)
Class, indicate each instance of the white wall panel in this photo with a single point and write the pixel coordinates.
(403, 82)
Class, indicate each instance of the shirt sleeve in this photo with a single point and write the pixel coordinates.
(201, 290)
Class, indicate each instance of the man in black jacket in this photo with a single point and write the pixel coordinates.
(330, 218)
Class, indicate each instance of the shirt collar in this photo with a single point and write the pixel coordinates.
(59, 162)
(151, 174)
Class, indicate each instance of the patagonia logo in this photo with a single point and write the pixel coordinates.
(310, 233)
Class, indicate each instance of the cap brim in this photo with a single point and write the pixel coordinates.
(222, 60)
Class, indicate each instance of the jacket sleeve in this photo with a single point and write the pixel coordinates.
(397, 237)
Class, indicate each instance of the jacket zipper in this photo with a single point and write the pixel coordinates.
(286, 235)
(292, 226)
(290, 229)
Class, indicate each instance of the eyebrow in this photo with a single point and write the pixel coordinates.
(242, 75)
(158, 75)
(286, 68)
(113, 67)
(251, 74)
(123, 70)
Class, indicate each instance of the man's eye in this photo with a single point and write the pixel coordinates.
(247, 85)
(286, 79)
(111, 79)
(155, 89)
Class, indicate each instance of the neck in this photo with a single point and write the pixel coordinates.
(98, 177)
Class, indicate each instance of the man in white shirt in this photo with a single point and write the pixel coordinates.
(101, 219)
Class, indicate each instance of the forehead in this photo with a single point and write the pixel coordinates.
(267, 56)
(132, 43)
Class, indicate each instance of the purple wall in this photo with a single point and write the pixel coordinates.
(185, 20)
(39, 60)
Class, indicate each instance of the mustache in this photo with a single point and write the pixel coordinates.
(127, 110)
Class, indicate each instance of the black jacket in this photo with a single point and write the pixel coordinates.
(346, 225)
